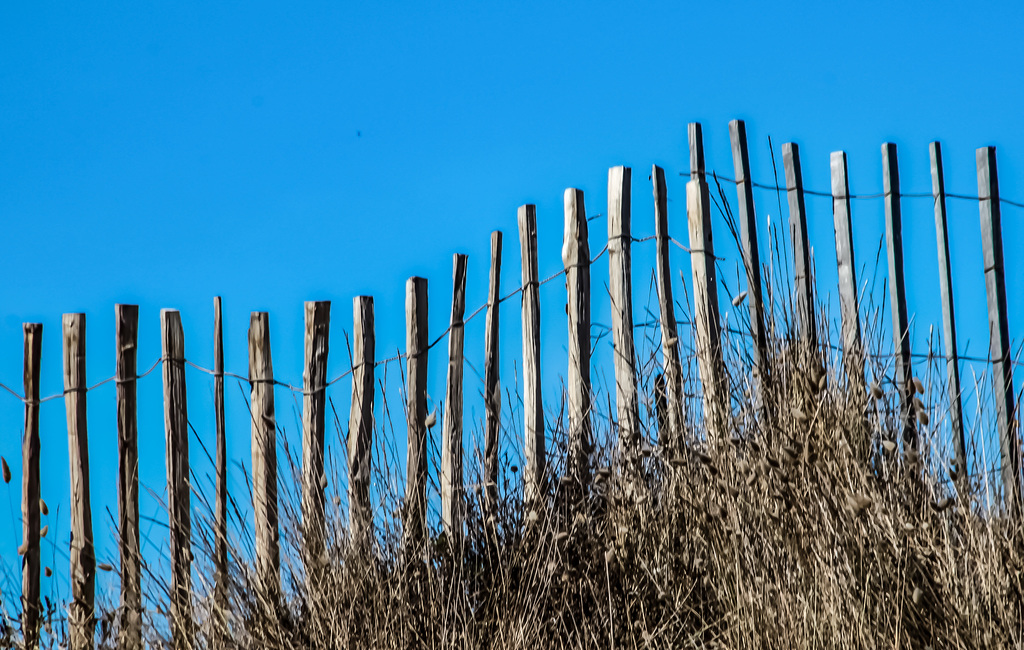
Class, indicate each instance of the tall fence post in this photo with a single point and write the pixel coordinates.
(264, 456)
(898, 291)
(620, 285)
(178, 482)
(999, 329)
(314, 404)
(802, 272)
(221, 505)
(956, 418)
(533, 406)
(492, 380)
(748, 236)
(81, 614)
(451, 431)
(576, 260)
(853, 352)
(30, 493)
(126, 361)
(360, 425)
(672, 389)
(416, 349)
(705, 292)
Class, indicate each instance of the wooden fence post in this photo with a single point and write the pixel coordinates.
(533, 405)
(705, 292)
(221, 505)
(126, 361)
(802, 272)
(264, 455)
(178, 482)
(416, 349)
(360, 424)
(576, 260)
(314, 404)
(81, 614)
(620, 285)
(451, 431)
(999, 329)
(673, 376)
(30, 493)
(492, 381)
(748, 235)
(898, 292)
(956, 417)
(853, 352)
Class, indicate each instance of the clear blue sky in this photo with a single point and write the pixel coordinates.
(271, 154)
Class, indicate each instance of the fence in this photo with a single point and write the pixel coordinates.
(577, 260)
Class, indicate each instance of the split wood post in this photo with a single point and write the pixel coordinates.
(492, 380)
(673, 376)
(360, 423)
(533, 405)
(748, 236)
(898, 291)
(126, 361)
(81, 611)
(853, 351)
(956, 418)
(576, 260)
(221, 505)
(802, 272)
(999, 329)
(620, 285)
(416, 349)
(314, 404)
(452, 489)
(264, 456)
(30, 492)
(178, 483)
(705, 292)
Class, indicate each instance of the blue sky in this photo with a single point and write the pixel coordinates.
(270, 154)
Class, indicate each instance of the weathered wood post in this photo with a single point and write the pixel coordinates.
(264, 456)
(898, 291)
(30, 493)
(956, 418)
(81, 613)
(705, 292)
(314, 405)
(416, 342)
(620, 285)
(672, 380)
(221, 505)
(178, 482)
(748, 237)
(360, 424)
(853, 351)
(999, 329)
(802, 272)
(576, 260)
(126, 362)
(533, 406)
(452, 489)
(492, 380)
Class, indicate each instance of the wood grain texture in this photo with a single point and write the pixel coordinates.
(178, 481)
(802, 271)
(999, 329)
(898, 291)
(576, 261)
(264, 456)
(620, 286)
(416, 342)
(360, 422)
(314, 404)
(533, 405)
(670, 435)
(492, 379)
(853, 350)
(126, 362)
(956, 418)
(452, 489)
(220, 554)
(81, 610)
(31, 607)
